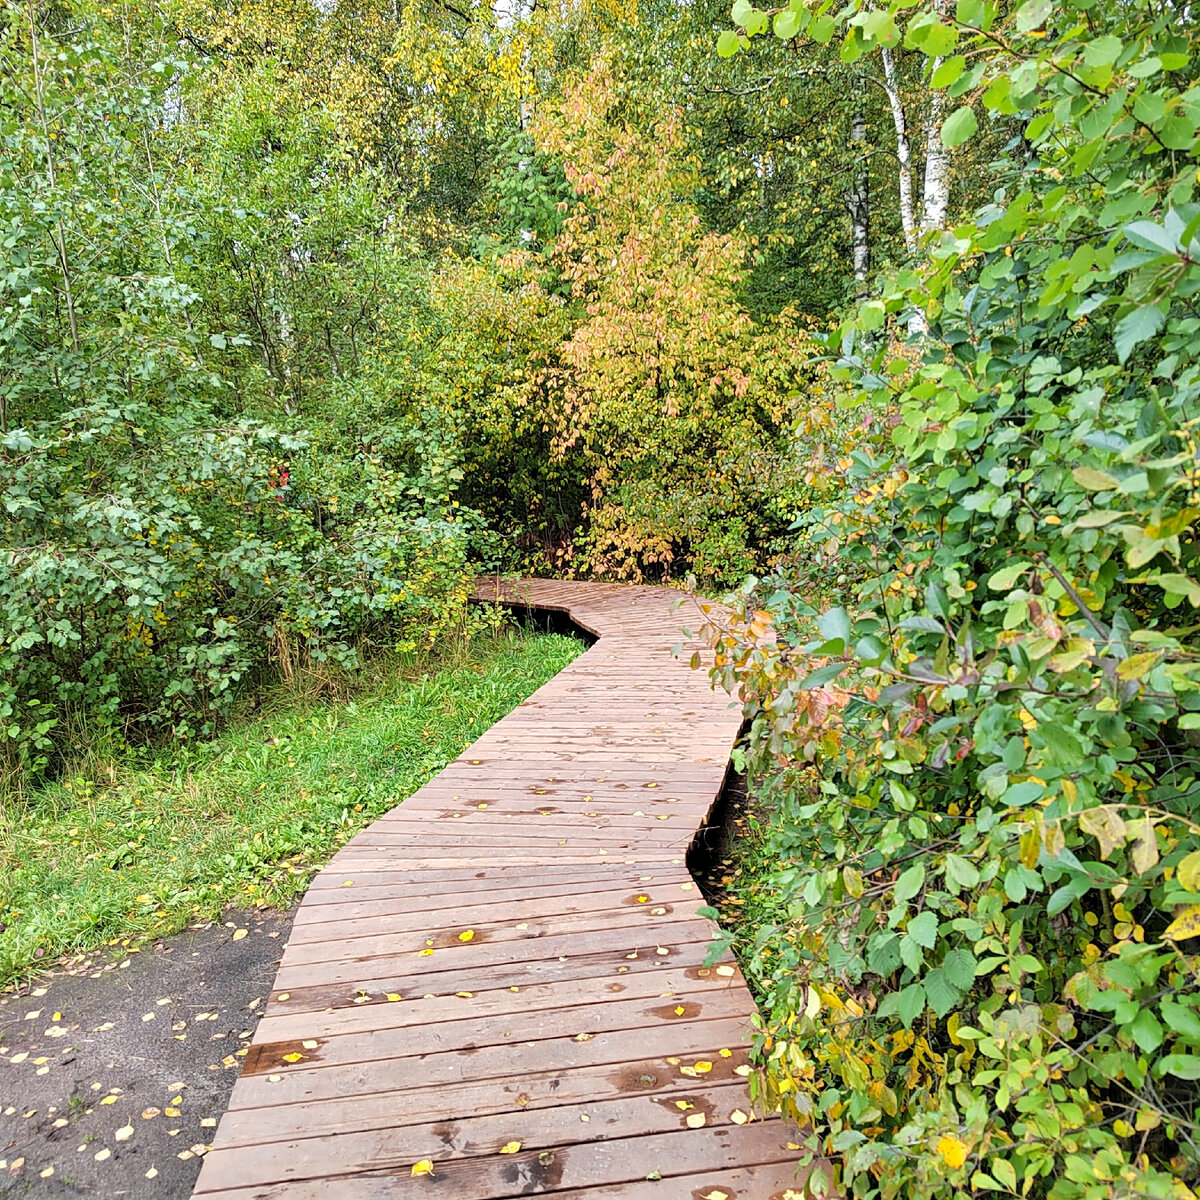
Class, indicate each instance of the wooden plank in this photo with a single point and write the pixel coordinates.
(513, 955)
(622, 945)
(685, 1041)
(329, 998)
(671, 987)
(531, 1093)
(625, 1117)
(594, 1165)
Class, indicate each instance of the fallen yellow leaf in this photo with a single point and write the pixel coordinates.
(124, 1133)
(695, 1120)
(702, 1068)
(738, 1117)
(424, 1167)
(510, 1147)
(109, 1100)
(725, 1053)
(238, 934)
(393, 996)
(293, 1057)
(466, 935)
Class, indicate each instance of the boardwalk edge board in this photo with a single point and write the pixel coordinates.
(500, 988)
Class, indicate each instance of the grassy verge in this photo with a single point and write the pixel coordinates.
(129, 850)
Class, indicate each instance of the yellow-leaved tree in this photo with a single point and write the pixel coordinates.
(665, 392)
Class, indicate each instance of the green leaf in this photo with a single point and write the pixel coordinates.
(1034, 14)
(883, 954)
(1094, 480)
(909, 883)
(871, 315)
(822, 29)
(911, 954)
(834, 625)
(959, 127)
(1003, 579)
(1174, 585)
(938, 40)
(1146, 1031)
(787, 24)
(728, 44)
(740, 11)
(941, 993)
(969, 12)
(1178, 132)
(1098, 519)
(960, 874)
(923, 929)
(1136, 327)
(949, 71)
(1102, 51)
(822, 676)
(960, 967)
(911, 1004)
(1182, 1066)
(1151, 236)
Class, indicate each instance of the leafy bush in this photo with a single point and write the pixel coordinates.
(135, 599)
(982, 973)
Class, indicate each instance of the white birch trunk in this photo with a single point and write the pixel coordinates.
(891, 86)
(858, 201)
(935, 198)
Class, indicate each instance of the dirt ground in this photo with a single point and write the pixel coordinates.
(114, 1070)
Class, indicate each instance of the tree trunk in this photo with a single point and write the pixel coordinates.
(858, 201)
(60, 236)
(935, 199)
(891, 86)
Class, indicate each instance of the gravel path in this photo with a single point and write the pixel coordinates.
(114, 1070)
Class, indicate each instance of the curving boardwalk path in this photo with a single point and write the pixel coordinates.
(504, 975)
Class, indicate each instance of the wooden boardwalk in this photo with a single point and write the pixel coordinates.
(504, 976)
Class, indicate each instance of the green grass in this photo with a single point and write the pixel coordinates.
(132, 850)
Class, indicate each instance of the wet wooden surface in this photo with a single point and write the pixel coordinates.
(506, 975)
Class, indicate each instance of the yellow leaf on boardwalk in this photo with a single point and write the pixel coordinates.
(510, 1147)
(466, 935)
(424, 1167)
(1186, 925)
(953, 1151)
